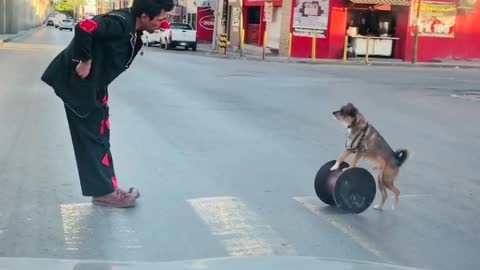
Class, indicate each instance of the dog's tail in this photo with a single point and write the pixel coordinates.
(401, 155)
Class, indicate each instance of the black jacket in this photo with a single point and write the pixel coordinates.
(112, 46)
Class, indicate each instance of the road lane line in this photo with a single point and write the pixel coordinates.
(241, 231)
(313, 205)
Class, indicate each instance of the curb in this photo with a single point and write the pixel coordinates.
(340, 63)
(19, 34)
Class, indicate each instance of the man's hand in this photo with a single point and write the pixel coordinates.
(83, 68)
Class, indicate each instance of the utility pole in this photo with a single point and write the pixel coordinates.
(415, 35)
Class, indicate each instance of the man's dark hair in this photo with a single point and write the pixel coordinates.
(151, 8)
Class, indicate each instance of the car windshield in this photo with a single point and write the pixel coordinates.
(231, 134)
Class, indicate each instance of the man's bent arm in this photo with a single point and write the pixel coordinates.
(105, 27)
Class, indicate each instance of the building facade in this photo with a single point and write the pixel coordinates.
(18, 15)
(325, 28)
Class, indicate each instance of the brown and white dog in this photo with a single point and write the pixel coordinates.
(365, 141)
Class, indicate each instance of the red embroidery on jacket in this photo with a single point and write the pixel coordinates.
(88, 25)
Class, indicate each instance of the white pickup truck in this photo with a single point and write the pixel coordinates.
(179, 34)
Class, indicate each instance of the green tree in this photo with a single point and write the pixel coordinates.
(69, 7)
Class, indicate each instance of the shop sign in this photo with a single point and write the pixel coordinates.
(310, 18)
(437, 19)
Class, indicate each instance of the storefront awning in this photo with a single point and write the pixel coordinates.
(383, 2)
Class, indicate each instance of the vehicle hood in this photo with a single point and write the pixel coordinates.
(228, 263)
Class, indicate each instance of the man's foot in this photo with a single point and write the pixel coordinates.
(134, 192)
(118, 198)
(131, 191)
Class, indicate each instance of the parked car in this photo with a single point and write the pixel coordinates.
(50, 23)
(66, 24)
(150, 39)
(178, 34)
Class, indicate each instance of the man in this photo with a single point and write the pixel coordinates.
(100, 51)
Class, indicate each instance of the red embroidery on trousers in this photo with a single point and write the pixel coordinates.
(105, 100)
(114, 182)
(102, 127)
(106, 161)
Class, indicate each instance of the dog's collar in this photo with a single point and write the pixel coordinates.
(358, 138)
(353, 122)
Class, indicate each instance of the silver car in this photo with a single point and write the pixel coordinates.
(66, 24)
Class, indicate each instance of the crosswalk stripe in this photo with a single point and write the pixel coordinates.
(242, 231)
(27, 46)
(71, 216)
(314, 205)
(76, 233)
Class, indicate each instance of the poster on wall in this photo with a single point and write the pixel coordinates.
(310, 18)
(205, 22)
(437, 19)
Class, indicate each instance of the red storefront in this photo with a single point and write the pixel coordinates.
(449, 30)
(253, 20)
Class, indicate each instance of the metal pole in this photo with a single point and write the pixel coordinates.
(368, 49)
(215, 26)
(345, 48)
(265, 40)
(241, 30)
(415, 35)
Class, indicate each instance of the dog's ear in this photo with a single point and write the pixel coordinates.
(350, 110)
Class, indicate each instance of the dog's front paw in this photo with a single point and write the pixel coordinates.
(335, 167)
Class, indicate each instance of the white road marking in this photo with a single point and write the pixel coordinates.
(28, 46)
(72, 214)
(313, 204)
(76, 233)
(242, 231)
(415, 195)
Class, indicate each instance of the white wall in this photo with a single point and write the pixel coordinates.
(191, 7)
(273, 29)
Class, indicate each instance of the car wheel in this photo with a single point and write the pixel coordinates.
(194, 48)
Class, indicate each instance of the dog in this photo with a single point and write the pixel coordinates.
(366, 142)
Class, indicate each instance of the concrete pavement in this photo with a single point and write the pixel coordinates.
(225, 153)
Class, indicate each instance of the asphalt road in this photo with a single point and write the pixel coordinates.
(225, 153)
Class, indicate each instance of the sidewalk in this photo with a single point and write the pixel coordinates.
(255, 54)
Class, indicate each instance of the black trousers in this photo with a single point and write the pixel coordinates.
(91, 144)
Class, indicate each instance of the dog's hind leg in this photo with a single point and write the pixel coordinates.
(383, 190)
(389, 178)
(396, 192)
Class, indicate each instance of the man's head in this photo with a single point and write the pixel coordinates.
(151, 13)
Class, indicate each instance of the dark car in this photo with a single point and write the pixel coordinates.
(50, 23)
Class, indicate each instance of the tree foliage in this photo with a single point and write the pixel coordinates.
(69, 5)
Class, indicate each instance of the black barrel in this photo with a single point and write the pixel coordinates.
(352, 190)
